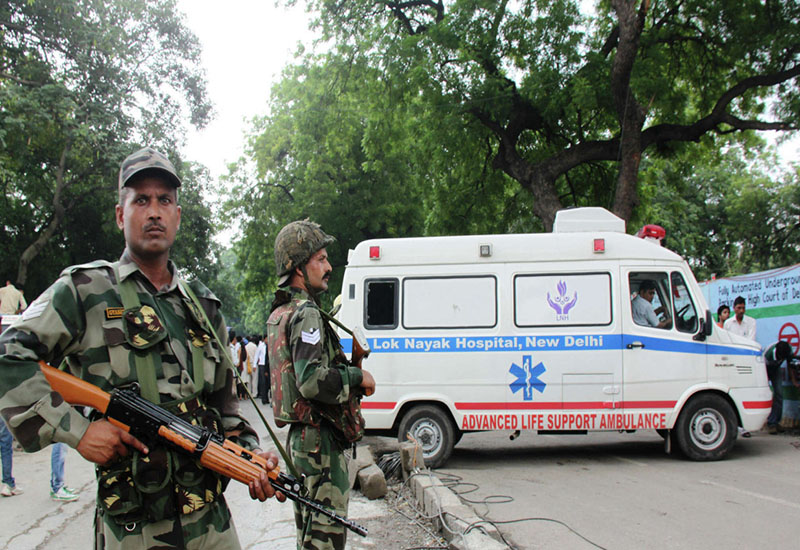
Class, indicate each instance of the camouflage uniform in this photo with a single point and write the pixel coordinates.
(311, 386)
(79, 323)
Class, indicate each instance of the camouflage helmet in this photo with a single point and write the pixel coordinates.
(295, 244)
(147, 159)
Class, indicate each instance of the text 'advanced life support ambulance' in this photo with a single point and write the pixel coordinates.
(537, 332)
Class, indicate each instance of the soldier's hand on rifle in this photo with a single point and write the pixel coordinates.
(367, 382)
(261, 488)
(104, 443)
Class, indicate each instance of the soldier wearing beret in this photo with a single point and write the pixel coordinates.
(116, 323)
(314, 389)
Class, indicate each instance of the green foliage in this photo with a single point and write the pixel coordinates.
(528, 89)
(337, 148)
(82, 84)
(721, 210)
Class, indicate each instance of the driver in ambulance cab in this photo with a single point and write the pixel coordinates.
(643, 312)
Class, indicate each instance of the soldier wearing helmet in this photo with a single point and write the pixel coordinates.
(314, 388)
(133, 320)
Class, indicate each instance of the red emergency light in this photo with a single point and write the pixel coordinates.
(652, 232)
(599, 246)
(374, 252)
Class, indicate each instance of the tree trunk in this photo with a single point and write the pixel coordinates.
(630, 114)
(59, 212)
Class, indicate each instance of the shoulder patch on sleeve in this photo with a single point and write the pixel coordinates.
(35, 309)
(91, 265)
(310, 337)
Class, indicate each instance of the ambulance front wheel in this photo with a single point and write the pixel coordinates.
(706, 428)
(432, 428)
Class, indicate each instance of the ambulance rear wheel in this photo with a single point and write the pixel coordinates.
(432, 428)
(706, 428)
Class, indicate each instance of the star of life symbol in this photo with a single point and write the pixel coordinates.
(527, 378)
(562, 303)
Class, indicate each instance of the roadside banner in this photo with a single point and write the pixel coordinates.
(773, 300)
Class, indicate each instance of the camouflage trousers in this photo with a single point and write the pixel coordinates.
(210, 527)
(319, 455)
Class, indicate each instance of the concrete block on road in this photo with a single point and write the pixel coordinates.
(372, 482)
(411, 458)
(461, 518)
(362, 460)
(422, 481)
(475, 541)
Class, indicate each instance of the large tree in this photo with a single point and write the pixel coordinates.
(321, 154)
(82, 82)
(573, 102)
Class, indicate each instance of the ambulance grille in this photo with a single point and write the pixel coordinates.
(744, 369)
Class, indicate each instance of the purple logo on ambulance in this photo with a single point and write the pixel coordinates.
(562, 303)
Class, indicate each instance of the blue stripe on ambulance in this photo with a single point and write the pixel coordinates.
(570, 342)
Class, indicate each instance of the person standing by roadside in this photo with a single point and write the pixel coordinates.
(58, 490)
(314, 389)
(9, 487)
(776, 355)
(263, 372)
(723, 313)
(134, 320)
(12, 300)
(739, 323)
(252, 371)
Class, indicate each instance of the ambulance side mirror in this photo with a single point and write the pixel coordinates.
(706, 326)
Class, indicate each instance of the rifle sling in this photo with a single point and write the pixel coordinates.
(145, 364)
(286, 458)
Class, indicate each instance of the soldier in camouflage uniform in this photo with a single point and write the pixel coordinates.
(313, 386)
(113, 324)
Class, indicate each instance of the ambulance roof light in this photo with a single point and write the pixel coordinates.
(374, 252)
(652, 232)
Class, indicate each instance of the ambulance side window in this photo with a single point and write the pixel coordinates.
(467, 301)
(650, 299)
(685, 313)
(380, 303)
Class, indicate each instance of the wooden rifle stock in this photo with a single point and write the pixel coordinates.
(127, 410)
(360, 352)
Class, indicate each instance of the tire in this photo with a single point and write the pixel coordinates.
(433, 429)
(706, 428)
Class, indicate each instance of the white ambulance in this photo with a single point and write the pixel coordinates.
(548, 333)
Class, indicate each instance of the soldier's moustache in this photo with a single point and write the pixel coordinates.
(154, 225)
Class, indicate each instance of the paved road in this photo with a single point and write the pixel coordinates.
(622, 492)
(33, 521)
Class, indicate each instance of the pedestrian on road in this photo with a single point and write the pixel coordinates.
(776, 355)
(134, 320)
(9, 487)
(319, 391)
(11, 300)
(741, 324)
(263, 370)
(723, 312)
(58, 490)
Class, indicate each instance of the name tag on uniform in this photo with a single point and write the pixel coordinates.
(114, 312)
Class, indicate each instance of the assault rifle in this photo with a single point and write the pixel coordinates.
(126, 409)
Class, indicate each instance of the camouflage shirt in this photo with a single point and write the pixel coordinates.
(303, 355)
(79, 321)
